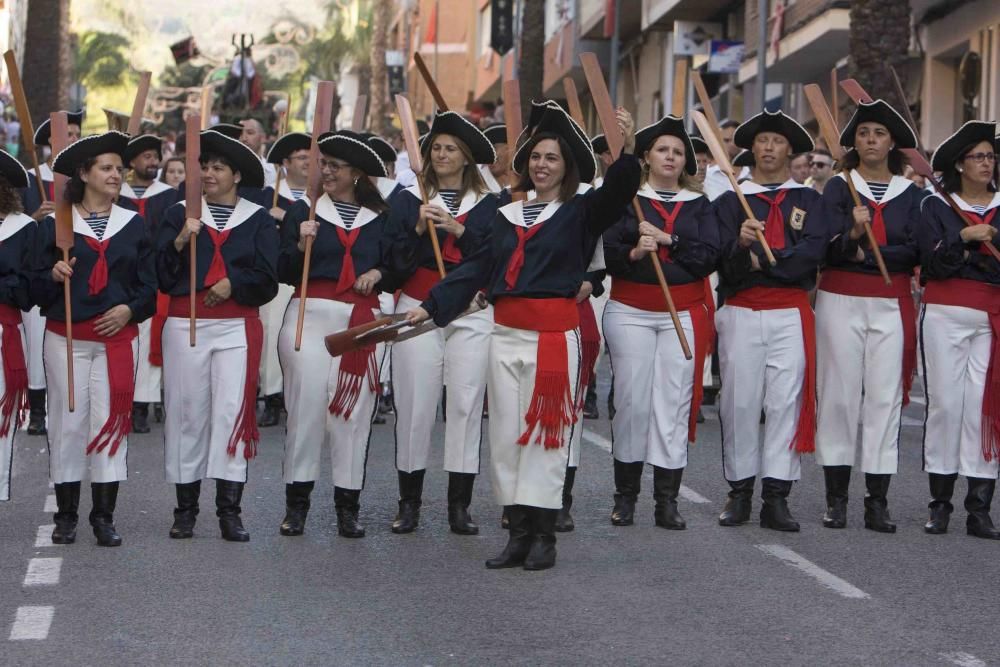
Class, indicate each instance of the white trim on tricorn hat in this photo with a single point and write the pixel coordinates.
(454, 124)
(68, 160)
(352, 149)
(550, 117)
(13, 170)
(44, 131)
(881, 112)
(599, 144)
(699, 144)
(287, 144)
(246, 161)
(231, 130)
(668, 125)
(744, 159)
(496, 133)
(141, 144)
(382, 148)
(972, 132)
(778, 122)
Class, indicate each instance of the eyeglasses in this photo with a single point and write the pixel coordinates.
(333, 166)
(981, 157)
(820, 164)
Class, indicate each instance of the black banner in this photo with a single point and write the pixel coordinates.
(397, 83)
(502, 25)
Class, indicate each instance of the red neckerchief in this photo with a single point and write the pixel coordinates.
(983, 220)
(878, 222)
(347, 275)
(217, 269)
(668, 224)
(517, 257)
(449, 250)
(99, 276)
(774, 226)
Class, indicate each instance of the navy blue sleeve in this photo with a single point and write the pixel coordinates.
(603, 206)
(258, 283)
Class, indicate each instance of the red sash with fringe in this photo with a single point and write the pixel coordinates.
(121, 379)
(777, 298)
(551, 407)
(590, 347)
(985, 297)
(15, 371)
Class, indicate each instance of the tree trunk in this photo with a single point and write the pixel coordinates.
(880, 38)
(531, 65)
(378, 92)
(46, 68)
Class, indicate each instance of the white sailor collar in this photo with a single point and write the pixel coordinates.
(45, 170)
(285, 190)
(385, 186)
(117, 221)
(967, 207)
(156, 188)
(581, 189)
(326, 210)
(244, 211)
(897, 186)
(13, 223)
(750, 188)
(682, 195)
(491, 182)
(514, 212)
(468, 202)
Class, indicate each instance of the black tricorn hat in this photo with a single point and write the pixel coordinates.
(777, 122)
(880, 112)
(288, 144)
(69, 159)
(668, 125)
(599, 144)
(699, 145)
(234, 150)
(13, 170)
(352, 149)
(550, 117)
(496, 133)
(382, 148)
(452, 123)
(231, 130)
(141, 144)
(43, 132)
(744, 159)
(950, 150)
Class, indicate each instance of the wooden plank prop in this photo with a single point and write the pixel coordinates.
(64, 238)
(192, 206)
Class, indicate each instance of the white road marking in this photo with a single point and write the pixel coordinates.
(43, 572)
(43, 538)
(686, 492)
(50, 504)
(825, 578)
(963, 659)
(31, 623)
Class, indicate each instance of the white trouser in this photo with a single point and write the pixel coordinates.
(707, 378)
(310, 384)
(955, 343)
(456, 357)
(859, 374)
(653, 385)
(202, 397)
(576, 439)
(524, 474)
(148, 377)
(386, 304)
(762, 364)
(71, 432)
(7, 441)
(34, 331)
(272, 315)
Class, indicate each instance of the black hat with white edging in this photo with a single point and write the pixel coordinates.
(777, 122)
(672, 126)
(141, 144)
(245, 160)
(550, 117)
(973, 132)
(879, 111)
(43, 133)
(354, 150)
(69, 159)
(288, 144)
(453, 124)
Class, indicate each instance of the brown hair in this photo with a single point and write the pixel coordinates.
(367, 195)
(571, 179)
(75, 187)
(684, 182)
(951, 178)
(472, 180)
(10, 200)
(166, 165)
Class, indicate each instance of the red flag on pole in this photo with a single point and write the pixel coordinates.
(431, 35)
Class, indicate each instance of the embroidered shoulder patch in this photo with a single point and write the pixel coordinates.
(798, 219)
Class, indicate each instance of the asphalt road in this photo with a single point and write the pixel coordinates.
(633, 595)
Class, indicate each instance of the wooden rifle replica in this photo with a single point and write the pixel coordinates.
(24, 117)
(321, 124)
(828, 130)
(609, 122)
(917, 159)
(711, 132)
(192, 209)
(59, 139)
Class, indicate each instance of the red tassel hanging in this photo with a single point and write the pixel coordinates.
(121, 385)
(245, 429)
(355, 366)
(804, 441)
(990, 427)
(551, 407)
(15, 375)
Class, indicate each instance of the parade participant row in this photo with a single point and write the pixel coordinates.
(531, 260)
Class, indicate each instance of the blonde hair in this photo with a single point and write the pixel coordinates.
(472, 180)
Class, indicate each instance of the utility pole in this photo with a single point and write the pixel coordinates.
(761, 52)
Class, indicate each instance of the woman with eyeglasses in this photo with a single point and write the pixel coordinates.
(331, 400)
(866, 340)
(960, 329)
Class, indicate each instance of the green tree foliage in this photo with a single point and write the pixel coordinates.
(101, 60)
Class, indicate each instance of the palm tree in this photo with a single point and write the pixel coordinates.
(378, 92)
(880, 38)
(46, 67)
(100, 59)
(531, 65)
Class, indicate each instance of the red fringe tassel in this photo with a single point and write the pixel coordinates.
(551, 407)
(245, 429)
(355, 366)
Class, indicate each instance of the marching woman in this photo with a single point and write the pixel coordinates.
(866, 331)
(658, 391)
(210, 389)
(462, 210)
(112, 289)
(331, 400)
(766, 329)
(17, 244)
(960, 329)
(532, 269)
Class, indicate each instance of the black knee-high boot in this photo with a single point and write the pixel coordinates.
(838, 481)
(518, 539)
(296, 508)
(227, 507)
(542, 555)
(347, 502)
(666, 486)
(459, 498)
(66, 516)
(775, 513)
(942, 489)
(877, 505)
(737, 509)
(628, 480)
(411, 490)
(186, 512)
(105, 497)
(564, 520)
(977, 503)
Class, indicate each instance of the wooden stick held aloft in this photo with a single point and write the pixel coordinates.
(64, 240)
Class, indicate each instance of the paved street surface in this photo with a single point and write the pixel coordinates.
(636, 595)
